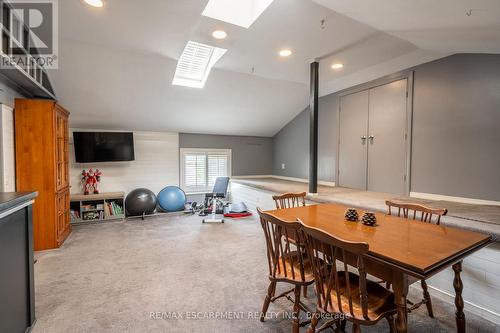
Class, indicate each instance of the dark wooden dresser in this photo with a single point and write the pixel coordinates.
(17, 293)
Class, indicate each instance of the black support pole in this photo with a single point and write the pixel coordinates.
(313, 130)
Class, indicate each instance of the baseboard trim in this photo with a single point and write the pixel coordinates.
(431, 196)
(471, 307)
(252, 176)
(293, 179)
(304, 180)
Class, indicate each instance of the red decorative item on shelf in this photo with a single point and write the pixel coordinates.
(90, 180)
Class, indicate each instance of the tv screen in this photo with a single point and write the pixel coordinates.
(103, 146)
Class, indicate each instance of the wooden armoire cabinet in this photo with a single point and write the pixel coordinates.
(42, 165)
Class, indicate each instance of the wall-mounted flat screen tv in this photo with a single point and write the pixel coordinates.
(103, 146)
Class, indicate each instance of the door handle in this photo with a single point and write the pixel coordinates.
(371, 137)
(363, 138)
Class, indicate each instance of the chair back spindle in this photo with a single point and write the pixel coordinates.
(415, 211)
(290, 200)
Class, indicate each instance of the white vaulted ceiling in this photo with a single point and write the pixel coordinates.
(117, 63)
(454, 26)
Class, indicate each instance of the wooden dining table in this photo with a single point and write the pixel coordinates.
(401, 251)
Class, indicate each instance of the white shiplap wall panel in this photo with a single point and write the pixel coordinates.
(481, 271)
(480, 275)
(252, 197)
(8, 164)
(156, 165)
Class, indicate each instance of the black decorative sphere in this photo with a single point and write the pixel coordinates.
(141, 201)
(351, 214)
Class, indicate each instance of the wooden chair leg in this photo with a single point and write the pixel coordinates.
(304, 291)
(392, 324)
(314, 322)
(427, 298)
(274, 291)
(342, 325)
(296, 310)
(356, 328)
(267, 300)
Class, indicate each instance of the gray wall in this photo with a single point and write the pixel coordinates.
(456, 130)
(291, 147)
(250, 155)
(456, 127)
(291, 144)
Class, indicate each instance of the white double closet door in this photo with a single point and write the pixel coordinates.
(373, 139)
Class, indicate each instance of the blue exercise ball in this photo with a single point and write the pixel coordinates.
(172, 199)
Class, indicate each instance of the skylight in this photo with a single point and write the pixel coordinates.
(195, 64)
(238, 12)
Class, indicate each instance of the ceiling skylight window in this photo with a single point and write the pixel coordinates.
(195, 64)
(238, 12)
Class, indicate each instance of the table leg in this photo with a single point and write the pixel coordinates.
(400, 287)
(459, 301)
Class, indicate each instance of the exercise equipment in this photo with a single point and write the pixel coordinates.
(141, 201)
(237, 210)
(213, 201)
(172, 199)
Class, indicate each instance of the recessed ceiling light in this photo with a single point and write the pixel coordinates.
(219, 34)
(337, 66)
(285, 53)
(95, 3)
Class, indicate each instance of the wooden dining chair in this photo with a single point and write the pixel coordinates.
(291, 200)
(416, 212)
(287, 263)
(342, 288)
(421, 213)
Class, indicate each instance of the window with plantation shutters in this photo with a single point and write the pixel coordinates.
(217, 167)
(201, 167)
(195, 167)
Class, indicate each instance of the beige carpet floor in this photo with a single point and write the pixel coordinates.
(133, 276)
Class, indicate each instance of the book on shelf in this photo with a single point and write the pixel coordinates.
(114, 208)
(107, 211)
(117, 208)
(75, 215)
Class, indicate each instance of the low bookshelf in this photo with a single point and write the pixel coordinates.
(95, 208)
